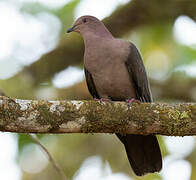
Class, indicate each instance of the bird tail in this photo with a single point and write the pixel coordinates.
(143, 153)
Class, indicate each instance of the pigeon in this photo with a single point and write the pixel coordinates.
(114, 70)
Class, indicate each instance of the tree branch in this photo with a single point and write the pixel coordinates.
(27, 116)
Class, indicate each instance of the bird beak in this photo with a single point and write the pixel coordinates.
(70, 29)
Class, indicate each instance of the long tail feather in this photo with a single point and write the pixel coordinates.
(143, 153)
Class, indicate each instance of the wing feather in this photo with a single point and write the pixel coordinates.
(91, 84)
(138, 75)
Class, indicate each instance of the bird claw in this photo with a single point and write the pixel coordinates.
(132, 100)
(102, 100)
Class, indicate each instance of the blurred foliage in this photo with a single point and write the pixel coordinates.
(68, 17)
(25, 139)
(64, 13)
(71, 150)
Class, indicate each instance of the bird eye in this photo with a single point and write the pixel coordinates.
(84, 20)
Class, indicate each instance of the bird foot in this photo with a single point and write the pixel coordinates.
(102, 100)
(132, 100)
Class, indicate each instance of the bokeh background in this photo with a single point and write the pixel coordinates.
(39, 61)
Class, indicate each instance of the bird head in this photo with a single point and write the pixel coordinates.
(88, 24)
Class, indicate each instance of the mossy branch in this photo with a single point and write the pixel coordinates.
(39, 116)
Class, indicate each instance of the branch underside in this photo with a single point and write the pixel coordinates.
(41, 116)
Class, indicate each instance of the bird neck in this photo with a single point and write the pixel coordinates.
(96, 36)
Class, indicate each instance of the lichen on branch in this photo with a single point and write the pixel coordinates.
(41, 116)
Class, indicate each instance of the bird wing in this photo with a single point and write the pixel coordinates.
(143, 151)
(138, 75)
(91, 84)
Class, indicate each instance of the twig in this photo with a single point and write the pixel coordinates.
(51, 159)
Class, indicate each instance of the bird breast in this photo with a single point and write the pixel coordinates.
(110, 75)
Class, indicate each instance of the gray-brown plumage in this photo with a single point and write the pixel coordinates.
(114, 70)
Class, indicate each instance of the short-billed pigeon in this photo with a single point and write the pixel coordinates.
(114, 70)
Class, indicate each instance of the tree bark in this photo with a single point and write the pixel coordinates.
(33, 116)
